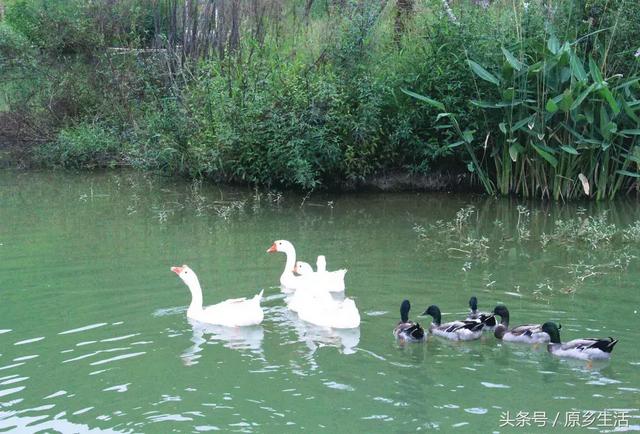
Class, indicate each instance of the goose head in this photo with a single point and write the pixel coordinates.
(187, 275)
(302, 268)
(283, 246)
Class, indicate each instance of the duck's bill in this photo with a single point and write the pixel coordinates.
(176, 270)
(272, 249)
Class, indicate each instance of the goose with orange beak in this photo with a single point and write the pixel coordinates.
(236, 312)
(332, 281)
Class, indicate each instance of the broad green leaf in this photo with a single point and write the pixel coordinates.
(627, 173)
(467, 135)
(483, 73)
(431, 102)
(514, 150)
(595, 71)
(455, 144)
(499, 104)
(503, 127)
(567, 99)
(442, 115)
(604, 91)
(553, 44)
(511, 59)
(551, 106)
(576, 67)
(569, 149)
(630, 132)
(629, 111)
(547, 156)
(626, 83)
(604, 122)
(582, 96)
(522, 122)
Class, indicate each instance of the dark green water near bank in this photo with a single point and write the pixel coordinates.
(93, 333)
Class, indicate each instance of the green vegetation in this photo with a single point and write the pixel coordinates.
(532, 98)
(591, 243)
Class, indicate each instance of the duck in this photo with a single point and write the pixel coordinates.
(455, 330)
(408, 331)
(583, 349)
(332, 281)
(489, 319)
(236, 312)
(526, 333)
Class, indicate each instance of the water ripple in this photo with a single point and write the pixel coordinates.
(28, 341)
(6, 392)
(82, 329)
(120, 357)
(494, 385)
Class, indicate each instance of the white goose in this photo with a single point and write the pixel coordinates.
(234, 312)
(317, 306)
(332, 314)
(332, 281)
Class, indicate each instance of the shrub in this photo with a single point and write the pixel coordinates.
(82, 146)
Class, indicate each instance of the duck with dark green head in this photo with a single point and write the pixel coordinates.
(584, 349)
(454, 330)
(488, 318)
(408, 331)
(526, 333)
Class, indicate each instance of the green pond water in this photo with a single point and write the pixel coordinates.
(94, 335)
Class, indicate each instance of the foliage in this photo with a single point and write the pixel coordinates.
(553, 125)
(308, 94)
(83, 146)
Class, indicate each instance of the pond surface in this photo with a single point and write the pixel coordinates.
(94, 335)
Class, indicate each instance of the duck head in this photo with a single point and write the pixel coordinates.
(434, 311)
(553, 331)
(404, 311)
(473, 303)
(502, 311)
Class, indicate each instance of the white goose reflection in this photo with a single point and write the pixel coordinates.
(244, 339)
(346, 340)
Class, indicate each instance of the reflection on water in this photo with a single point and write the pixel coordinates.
(94, 335)
(237, 338)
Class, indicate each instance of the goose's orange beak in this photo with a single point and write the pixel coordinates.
(177, 270)
(272, 249)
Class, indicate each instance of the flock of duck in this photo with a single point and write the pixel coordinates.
(473, 326)
(318, 298)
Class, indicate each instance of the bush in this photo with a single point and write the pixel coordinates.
(83, 146)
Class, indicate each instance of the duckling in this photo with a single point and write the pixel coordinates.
(527, 333)
(490, 322)
(583, 349)
(408, 331)
(455, 330)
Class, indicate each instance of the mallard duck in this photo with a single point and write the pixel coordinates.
(408, 331)
(488, 318)
(527, 333)
(455, 330)
(584, 349)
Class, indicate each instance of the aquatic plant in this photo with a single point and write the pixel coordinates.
(589, 245)
(554, 124)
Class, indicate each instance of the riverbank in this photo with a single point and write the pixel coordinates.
(393, 95)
